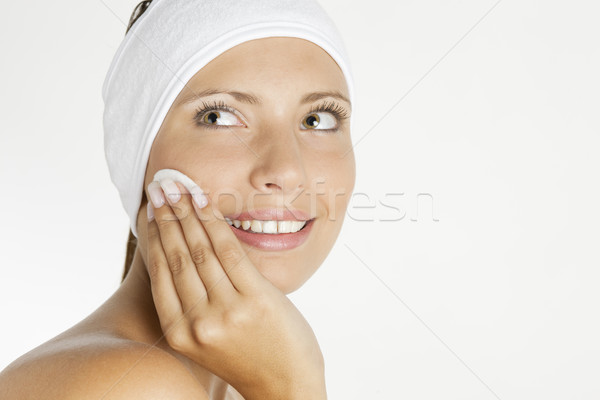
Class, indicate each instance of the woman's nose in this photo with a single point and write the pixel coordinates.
(279, 165)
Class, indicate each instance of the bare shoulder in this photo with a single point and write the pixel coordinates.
(98, 367)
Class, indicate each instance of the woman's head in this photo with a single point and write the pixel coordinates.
(267, 151)
(279, 139)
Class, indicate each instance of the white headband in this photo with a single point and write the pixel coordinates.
(164, 49)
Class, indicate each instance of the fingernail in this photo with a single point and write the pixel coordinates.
(171, 190)
(156, 194)
(150, 211)
(198, 196)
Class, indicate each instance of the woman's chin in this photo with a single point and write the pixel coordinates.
(282, 278)
(289, 269)
(286, 275)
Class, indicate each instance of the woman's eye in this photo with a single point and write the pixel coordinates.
(220, 117)
(319, 121)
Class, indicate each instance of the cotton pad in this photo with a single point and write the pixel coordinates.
(177, 176)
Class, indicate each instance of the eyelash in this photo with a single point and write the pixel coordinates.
(335, 109)
(206, 107)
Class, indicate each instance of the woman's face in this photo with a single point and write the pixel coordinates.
(266, 152)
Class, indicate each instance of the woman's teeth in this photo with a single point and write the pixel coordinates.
(268, 226)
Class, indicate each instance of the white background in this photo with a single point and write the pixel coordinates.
(494, 119)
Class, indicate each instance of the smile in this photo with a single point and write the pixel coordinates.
(271, 227)
(271, 235)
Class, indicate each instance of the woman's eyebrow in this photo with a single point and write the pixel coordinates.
(314, 96)
(251, 98)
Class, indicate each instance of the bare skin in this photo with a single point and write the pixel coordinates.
(120, 351)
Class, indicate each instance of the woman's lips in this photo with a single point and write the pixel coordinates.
(274, 241)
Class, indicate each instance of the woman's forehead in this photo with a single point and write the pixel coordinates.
(264, 64)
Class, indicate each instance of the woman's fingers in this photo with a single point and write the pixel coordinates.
(241, 272)
(201, 251)
(166, 300)
(189, 287)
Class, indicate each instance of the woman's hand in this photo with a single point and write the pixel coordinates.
(217, 309)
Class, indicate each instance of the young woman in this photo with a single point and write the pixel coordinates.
(263, 130)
